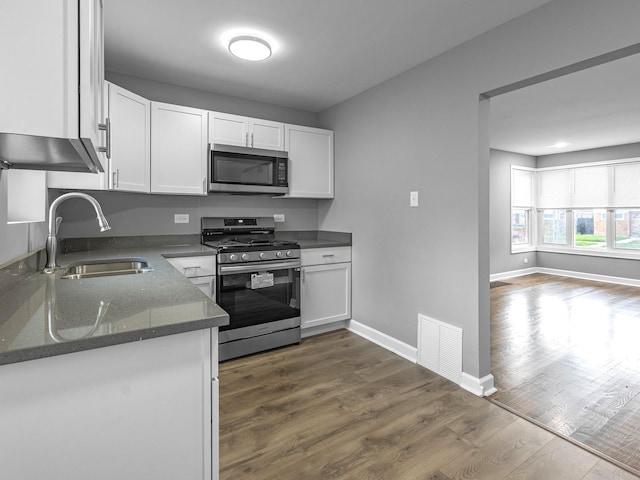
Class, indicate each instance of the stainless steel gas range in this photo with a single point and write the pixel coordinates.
(258, 284)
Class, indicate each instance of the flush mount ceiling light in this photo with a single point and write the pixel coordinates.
(249, 47)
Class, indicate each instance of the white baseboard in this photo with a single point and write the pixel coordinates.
(406, 351)
(482, 387)
(478, 386)
(512, 274)
(566, 273)
(591, 276)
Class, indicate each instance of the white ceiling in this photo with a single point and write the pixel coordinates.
(329, 50)
(593, 108)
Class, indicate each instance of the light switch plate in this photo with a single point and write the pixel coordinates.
(413, 199)
(181, 218)
(278, 217)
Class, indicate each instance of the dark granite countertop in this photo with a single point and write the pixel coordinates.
(316, 238)
(46, 315)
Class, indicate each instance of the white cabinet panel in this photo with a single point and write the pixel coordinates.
(130, 118)
(53, 72)
(325, 294)
(228, 129)
(321, 256)
(178, 149)
(196, 266)
(40, 51)
(266, 134)
(310, 162)
(130, 411)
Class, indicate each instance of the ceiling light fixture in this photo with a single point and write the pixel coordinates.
(249, 47)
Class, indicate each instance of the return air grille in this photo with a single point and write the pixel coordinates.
(440, 348)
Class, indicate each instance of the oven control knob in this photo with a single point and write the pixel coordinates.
(245, 256)
(233, 257)
(289, 253)
(279, 254)
(261, 255)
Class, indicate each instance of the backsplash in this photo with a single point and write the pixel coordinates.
(139, 214)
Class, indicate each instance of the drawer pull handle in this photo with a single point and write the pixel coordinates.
(329, 255)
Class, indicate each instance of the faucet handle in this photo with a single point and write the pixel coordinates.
(58, 222)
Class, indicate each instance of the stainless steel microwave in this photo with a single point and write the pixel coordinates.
(244, 170)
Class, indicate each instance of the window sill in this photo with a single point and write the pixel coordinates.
(591, 253)
(522, 249)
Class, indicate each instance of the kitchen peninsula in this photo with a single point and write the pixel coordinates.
(109, 377)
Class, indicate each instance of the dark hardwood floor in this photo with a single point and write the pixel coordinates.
(339, 407)
(566, 353)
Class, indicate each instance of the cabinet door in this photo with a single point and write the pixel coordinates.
(130, 117)
(92, 77)
(325, 294)
(178, 149)
(310, 162)
(266, 134)
(39, 56)
(228, 129)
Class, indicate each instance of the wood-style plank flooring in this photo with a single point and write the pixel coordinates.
(566, 353)
(339, 407)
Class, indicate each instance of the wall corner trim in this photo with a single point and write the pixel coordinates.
(482, 387)
(402, 349)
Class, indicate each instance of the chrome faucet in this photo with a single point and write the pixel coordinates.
(54, 225)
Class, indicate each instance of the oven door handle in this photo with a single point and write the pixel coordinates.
(224, 270)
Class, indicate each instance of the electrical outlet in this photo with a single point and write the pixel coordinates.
(278, 217)
(413, 199)
(181, 218)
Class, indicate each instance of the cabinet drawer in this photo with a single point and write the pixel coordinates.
(200, 266)
(323, 256)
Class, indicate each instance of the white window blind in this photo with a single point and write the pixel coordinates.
(554, 188)
(626, 185)
(590, 187)
(522, 188)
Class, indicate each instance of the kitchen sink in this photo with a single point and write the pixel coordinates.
(107, 267)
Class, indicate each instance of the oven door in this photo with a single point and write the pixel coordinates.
(256, 294)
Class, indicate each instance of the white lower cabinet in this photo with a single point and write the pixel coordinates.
(200, 270)
(144, 409)
(325, 291)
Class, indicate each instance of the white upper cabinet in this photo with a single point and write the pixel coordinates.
(130, 142)
(266, 134)
(229, 129)
(310, 162)
(178, 149)
(53, 72)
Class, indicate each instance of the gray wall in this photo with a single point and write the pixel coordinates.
(421, 131)
(164, 92)
(139, 214)
(616, 267)
(500, 212)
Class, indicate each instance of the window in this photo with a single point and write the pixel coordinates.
(628, 229)
(519, 226)
(586, 209)
(554, 227)
(590, 229)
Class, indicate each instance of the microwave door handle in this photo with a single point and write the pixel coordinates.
(223, 270)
